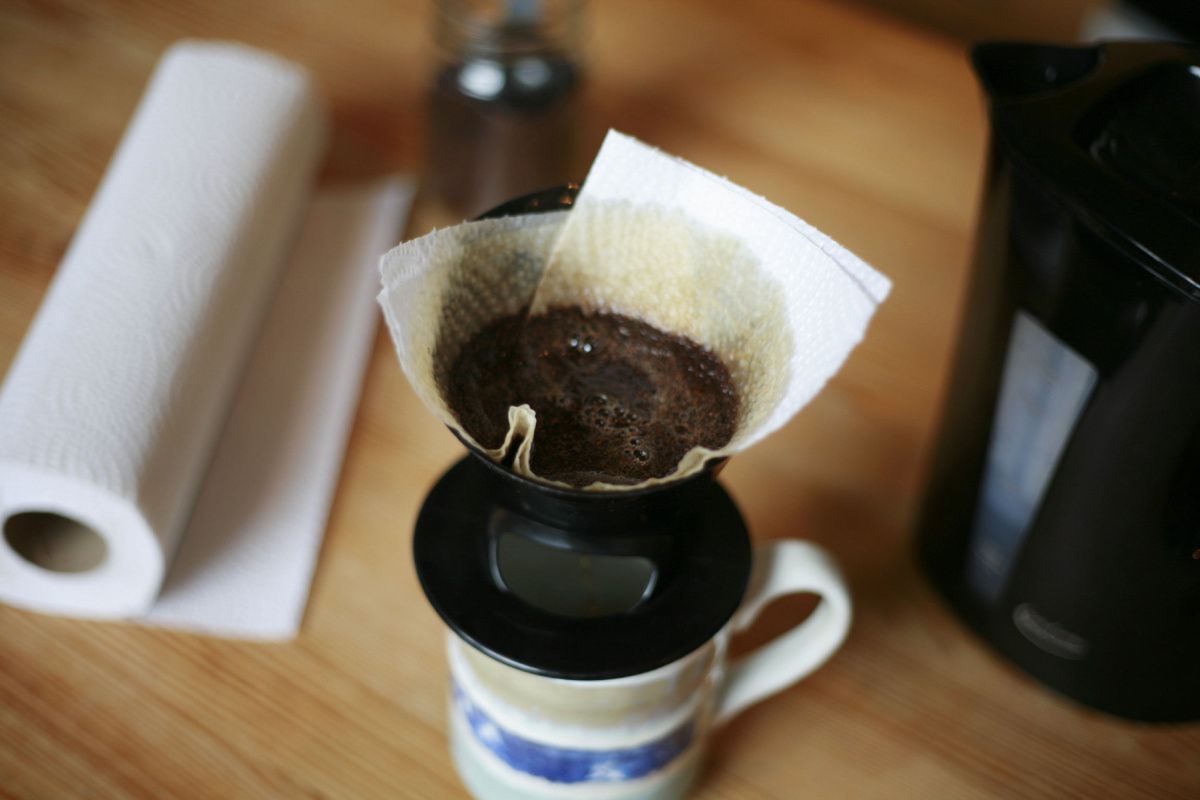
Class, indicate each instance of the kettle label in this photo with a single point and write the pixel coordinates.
(1047, 635)
(1043, 390)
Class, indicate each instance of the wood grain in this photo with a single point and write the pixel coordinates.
(868, 127)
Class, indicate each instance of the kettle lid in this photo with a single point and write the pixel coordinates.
(1114, 130)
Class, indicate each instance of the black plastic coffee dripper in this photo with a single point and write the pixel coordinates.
(579, 584)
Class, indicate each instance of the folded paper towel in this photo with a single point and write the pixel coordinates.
(114, 407)
(246, 558)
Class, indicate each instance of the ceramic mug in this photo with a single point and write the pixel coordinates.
(520, 736)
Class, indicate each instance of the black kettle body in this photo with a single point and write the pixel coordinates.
(1062, 518)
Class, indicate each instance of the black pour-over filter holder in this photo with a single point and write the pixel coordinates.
(506, 561)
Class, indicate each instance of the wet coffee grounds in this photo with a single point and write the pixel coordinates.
(617, 400)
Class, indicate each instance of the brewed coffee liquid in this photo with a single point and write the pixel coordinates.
(617, 400)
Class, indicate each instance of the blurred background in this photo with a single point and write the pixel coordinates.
(861, 116)
(1051, 20)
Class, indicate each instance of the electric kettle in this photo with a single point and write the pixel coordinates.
(1062, 518)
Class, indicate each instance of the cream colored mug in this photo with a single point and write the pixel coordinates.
(520, 736)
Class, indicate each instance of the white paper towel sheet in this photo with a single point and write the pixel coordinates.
(114, 407)
(246, 559)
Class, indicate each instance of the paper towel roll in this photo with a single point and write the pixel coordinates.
(110, 412)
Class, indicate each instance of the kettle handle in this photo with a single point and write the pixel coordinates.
(781, 568)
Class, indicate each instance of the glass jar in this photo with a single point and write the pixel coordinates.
(501, 105)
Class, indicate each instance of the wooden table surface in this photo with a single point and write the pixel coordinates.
(869, 128)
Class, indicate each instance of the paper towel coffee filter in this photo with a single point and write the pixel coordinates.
(656, 238)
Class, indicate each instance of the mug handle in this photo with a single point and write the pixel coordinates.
(784, 567)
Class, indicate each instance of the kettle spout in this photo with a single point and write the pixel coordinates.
(1009, 71)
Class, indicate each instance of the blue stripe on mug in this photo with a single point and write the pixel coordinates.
(573, 765)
